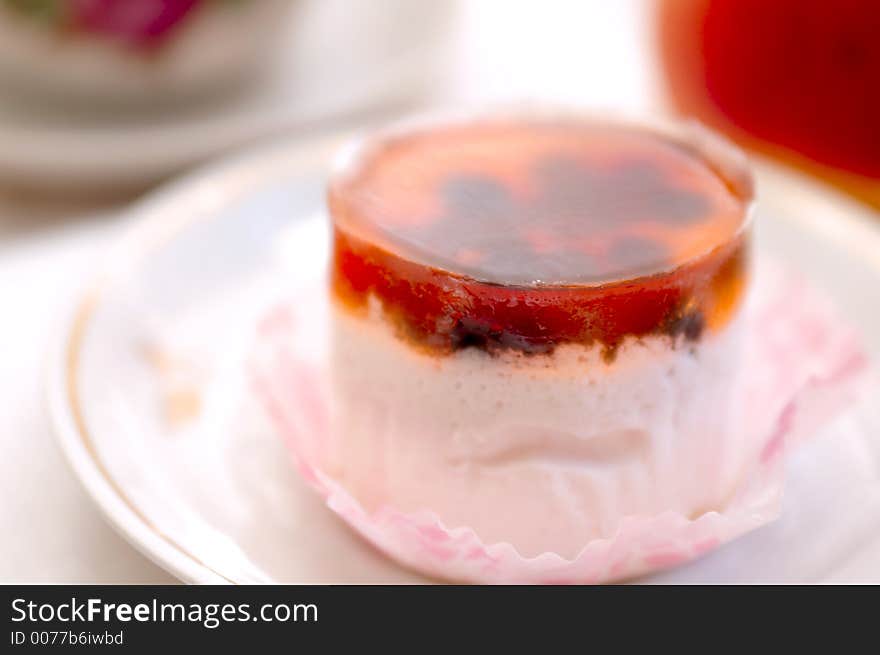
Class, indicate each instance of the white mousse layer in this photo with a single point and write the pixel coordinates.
(546, 452)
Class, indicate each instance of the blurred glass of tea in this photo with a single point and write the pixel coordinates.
(795, 79)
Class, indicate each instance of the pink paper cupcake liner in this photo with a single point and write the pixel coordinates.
(803, 366)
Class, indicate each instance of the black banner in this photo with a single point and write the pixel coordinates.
(88, 618)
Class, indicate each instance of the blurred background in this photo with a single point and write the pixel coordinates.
(110, 95)
(101, 100)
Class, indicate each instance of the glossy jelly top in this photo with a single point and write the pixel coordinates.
(526, 234)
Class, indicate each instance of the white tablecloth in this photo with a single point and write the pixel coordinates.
(51, 531)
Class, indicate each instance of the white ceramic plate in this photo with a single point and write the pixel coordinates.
(151, 404)
(338, 58)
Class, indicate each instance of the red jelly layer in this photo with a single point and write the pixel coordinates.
(529, 234)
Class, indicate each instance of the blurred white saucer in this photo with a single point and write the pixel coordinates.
(150, 399)
(341, 58)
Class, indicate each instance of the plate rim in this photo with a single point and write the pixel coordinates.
(146, 228)
(850, 223)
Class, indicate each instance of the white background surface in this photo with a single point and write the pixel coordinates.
(588, 51)
(51, 532)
